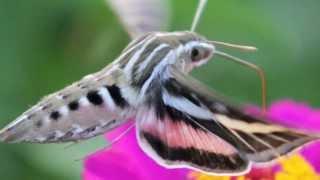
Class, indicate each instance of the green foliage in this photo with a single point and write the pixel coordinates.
(45, 45)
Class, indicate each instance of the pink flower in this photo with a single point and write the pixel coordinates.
(125, 159)
(295, 115)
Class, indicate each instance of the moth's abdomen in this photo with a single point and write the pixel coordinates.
(80, 111)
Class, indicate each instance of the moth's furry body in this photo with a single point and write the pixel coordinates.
(133, 75)
(179, 122)
(149, 83)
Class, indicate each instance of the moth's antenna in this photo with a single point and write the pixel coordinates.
(201, 6)
(235, 46)
(254, 67)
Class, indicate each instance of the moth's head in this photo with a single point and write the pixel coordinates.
(193, 50)
(190, 49)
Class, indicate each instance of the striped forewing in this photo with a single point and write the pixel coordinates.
(188, 126)
(260, 140)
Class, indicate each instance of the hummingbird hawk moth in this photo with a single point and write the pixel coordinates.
(179, 122)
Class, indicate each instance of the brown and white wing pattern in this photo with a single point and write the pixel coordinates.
(187, 126)
(141, 16)
(80, 111)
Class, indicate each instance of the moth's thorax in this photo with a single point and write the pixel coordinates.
(149, 60)
(146, 58)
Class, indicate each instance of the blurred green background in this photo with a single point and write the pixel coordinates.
(45, 45)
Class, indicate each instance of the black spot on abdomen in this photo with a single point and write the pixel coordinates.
(74, 105)
(94, 98)
(55, 115)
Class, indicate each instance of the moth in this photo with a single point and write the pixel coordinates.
(179, 122)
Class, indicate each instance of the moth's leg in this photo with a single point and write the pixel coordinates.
(113, 141)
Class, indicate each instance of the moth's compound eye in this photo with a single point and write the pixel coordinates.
(196, 54)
